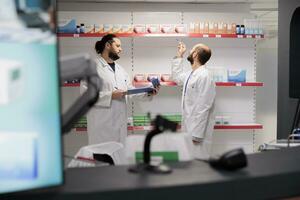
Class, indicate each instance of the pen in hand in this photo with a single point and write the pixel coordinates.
(118, 94)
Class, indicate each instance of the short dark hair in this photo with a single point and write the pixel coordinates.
(203, 55)
(100, 45)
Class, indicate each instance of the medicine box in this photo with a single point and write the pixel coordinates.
(236, 75)
(153, 28)
(67, 26)
(139, 28)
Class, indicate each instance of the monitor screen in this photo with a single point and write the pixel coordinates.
(30, 125)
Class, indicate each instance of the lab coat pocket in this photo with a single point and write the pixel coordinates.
(191, 93)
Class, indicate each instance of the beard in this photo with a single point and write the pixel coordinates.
(114, 56)
(190, 59)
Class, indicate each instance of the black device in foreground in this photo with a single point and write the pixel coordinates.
(231, 160)
(294, 68)
(79, 67)
(160, 125)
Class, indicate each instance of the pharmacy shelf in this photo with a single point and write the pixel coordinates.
(171, 83)
(192, 35)
(246, 84)
(239, 126)
(71, 85)
(217, 127)
(222, 84)
(147, 83)
(80, 129)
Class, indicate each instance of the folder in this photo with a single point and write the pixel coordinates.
(140, 90)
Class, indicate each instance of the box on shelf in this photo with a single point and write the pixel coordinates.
(81, 123)
(220, 28)
(167, 28)
(224, 28)
(166, 77)
(197, 28)
(206, 28)
(117, 28)
(253, 26)
(201, 27)
(236, 75)
(141, 120)
(153, 28)
(192, 27)
(218, 120)
(181, 28)
(99, 28)
(226, 120)
(214, 28)
(126, 28)
(66, 26)
(139, 28)
(222, 120)
(89, 28)
(140, 78)
(232, 30)
(108, 28)
(218, 74)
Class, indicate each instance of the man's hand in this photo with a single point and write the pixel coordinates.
(155, 91)
(196, 142)
(118, 94)
(181, 49)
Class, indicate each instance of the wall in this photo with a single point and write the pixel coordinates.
(266, 98)
(286, 105)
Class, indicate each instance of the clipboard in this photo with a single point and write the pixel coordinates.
(140, 90)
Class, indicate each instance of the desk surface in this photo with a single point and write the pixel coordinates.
(269, 175)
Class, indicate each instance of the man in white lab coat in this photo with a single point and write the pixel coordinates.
(198, 97)
(107, 120)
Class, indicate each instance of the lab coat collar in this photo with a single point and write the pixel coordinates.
(101, 59)
(105, 64)
(198, 70)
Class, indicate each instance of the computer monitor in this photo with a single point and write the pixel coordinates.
(34, 12)
(30, 122)
(33, 5)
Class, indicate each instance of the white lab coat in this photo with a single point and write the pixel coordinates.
(107, 119)
(197, 105)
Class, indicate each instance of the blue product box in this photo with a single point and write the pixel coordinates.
(155, 82)
(236, 75)
(67, 26)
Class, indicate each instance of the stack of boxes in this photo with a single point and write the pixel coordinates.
(250, 26)
(82, 123)
(144, 120)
